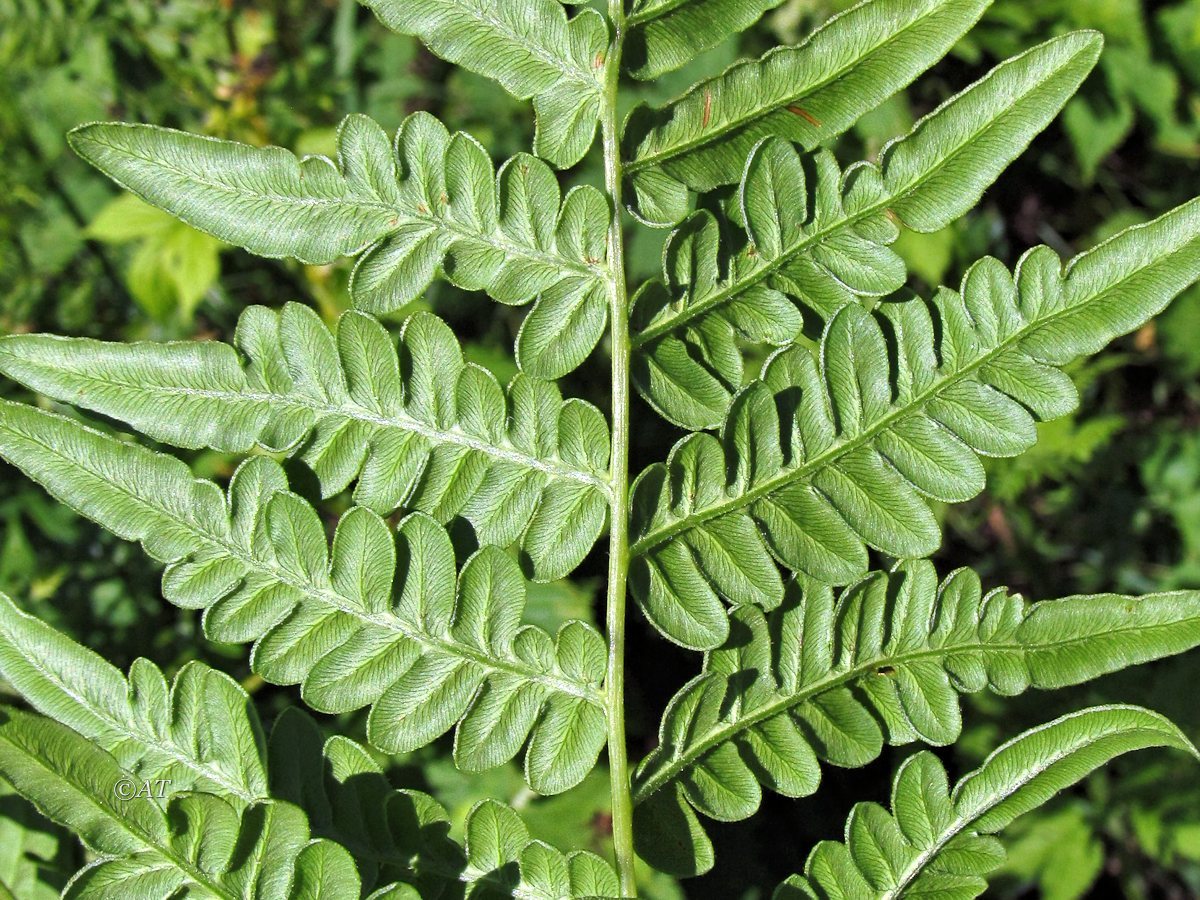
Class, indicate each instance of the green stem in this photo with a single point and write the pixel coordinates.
(618, 538)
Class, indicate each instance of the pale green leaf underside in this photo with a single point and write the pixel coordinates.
(821, 237)
(403, 834)
(530, 47)
(830, 453)
(425, 430)
(842, 449)
(806, 94)
(831, 680)
(198, 732)
(500, 851)
(687, 363)
(443, 652)
(198, 844)
(180, 740)
(431, 205)
(936, 842)
(664, 35)
(201, 733)
(32, 864)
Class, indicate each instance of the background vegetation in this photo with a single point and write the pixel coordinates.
(1109, 500)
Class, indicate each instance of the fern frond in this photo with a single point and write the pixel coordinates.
(501, 853)
(822, 236)
(198, 842)
(439, 654)
(200, 732)
(664, 35)
(432, 205)
(392, 835)
(147, 850)
(36, 856)
(427, 431)
(531, 47)
(687, 363)
(402, 834)
(815, 679)
(835, 451)
(806, 94)
(938, 842)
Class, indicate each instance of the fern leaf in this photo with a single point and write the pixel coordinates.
(530, 47)
(199, 733)
(189, 847)
(36, 857)
(404, 834)
(806, 94)
(938, 842)
(432, 205)
(392, 835)
(822, 236)
(687, 363)
(815, 679)
(443, 438)
(440, 654)
(202, 734)
(834, 451)
(501, 854)
(664, 35)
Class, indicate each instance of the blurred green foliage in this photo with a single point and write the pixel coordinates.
(1109, 500)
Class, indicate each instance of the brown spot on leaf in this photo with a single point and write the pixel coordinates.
(707, 116)
(805, 115)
